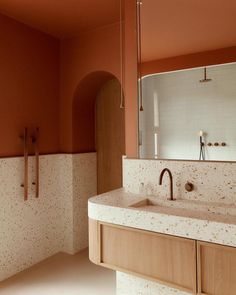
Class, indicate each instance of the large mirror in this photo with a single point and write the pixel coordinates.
(187, 79)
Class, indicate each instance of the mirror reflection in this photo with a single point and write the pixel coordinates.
(187, 75)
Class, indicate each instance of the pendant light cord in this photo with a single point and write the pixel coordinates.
(139, 3)
(122, 106)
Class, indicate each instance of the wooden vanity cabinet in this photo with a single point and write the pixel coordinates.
(196, 267)
(216, 269)
(162, 258)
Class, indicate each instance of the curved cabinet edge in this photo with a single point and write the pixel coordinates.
(94, 241)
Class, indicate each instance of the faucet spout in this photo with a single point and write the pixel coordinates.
(166, 170)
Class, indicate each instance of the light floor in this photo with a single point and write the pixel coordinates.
(62, 274)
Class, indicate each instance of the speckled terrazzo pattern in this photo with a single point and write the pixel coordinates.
(213, 181)
(131, 285)
(65, 185)
(84, 186)
(29, 231)
(214, 222)
(34, 230)
(78, 182)
(114, 207)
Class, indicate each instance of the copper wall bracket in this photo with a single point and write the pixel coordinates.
(26, 162)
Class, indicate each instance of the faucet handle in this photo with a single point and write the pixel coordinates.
(189, 187)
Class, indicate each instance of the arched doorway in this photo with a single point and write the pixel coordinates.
(98, 125)
(110, 136)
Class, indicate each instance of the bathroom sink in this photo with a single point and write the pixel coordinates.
(187, 208)
(144, 203)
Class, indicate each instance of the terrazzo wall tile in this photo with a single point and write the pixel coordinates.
(84, 186)
(131, 285)
(213, 181)
(65, 186)
(78, 182)
(29, 231)
(199, 222)
(34, 230)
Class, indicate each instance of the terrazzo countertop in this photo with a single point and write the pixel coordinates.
(203, 221)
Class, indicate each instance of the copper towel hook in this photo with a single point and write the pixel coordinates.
(35, 142)
(26, 162)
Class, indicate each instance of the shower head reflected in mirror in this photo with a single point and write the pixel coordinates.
(205, 77)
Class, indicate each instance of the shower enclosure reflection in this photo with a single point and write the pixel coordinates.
(186, 80)
(189, 114)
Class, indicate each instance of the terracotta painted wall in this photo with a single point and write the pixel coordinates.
(37, 69)
(98, 50)
(29, 86)
(94, 51)
(220, 56)
(83, 111)
(131, 91)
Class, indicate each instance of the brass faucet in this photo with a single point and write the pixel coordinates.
(171, 182)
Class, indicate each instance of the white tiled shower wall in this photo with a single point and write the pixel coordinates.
(177, 107)
(34, 230)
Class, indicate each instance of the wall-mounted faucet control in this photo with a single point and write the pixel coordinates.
(189, 187)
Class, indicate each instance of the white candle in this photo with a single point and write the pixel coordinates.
(201, 133)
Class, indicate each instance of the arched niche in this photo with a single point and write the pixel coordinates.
(84, 110)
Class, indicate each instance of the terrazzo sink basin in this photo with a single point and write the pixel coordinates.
(181, 207)
(145, 203)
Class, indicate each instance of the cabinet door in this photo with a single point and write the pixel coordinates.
(162, 258)
(216, 269)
